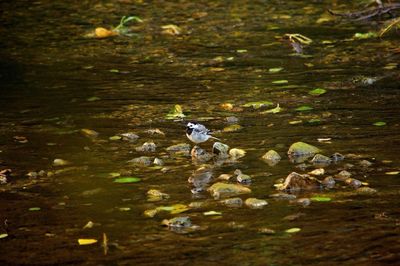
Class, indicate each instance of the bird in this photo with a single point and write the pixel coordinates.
(198, 133)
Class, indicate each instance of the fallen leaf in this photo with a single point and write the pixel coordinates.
(392, 173)
(275, 110)
(3, 236)
(379, 124)
(34, 209)
(277, 82)
(275, 69)
(175, 112)
(317, 91)
(212, 213)
(124, 180)
(321, 199)
(101, 33)
(86, 241)
(304, 108)
(293, 230)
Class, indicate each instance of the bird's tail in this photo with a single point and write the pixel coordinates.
(215, 138)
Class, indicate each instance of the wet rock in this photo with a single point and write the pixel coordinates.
(89, 133)
(236, 153)
(147, 147)
(317, 172)
(366, 191)
(224, 177)
(4, 174)
(155, 131)
(302, 148)
(197, 204)
(60, 162)
(328, 182)
(158, 161)
(283, 196)
(365, 163)
(266, 231)
(154, 195)
(337, 157)
(180, 149)
(302, 202)
(321, 160)
(295, 182)
(142, 160)
(303, 166)
(242, 178)
(221, 150)
(129, 136)
(200, 155)
(178, 222)
(232, 202)
(92, 192)
(271, 157)
(343, 175)
(255, 203)
(352, 182)
(222, 190)
(232, 120)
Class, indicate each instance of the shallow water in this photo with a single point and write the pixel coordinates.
(50, 73)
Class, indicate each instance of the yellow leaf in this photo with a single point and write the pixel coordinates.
(86, 241)
(103, 33)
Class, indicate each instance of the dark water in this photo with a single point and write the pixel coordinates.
(50, 71)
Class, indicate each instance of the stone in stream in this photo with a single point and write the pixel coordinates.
(200, 179)
(337, 157)
(242, 178)
(254, 203)
(147, 147)
(223, 190)
(343, 175)
(352, 182)
(129, 136)
(328, 182)
(142, 160)
(302, 149)
(232, 202)
(200, 155)
(295, 182)
(178, 222)
(321, 160)
(156, 195)
(60, 162)
(220, 150)
(271, 157)
(182, 149)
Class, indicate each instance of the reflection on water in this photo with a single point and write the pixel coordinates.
(56, 82)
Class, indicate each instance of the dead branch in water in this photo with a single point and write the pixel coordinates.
(368, 13)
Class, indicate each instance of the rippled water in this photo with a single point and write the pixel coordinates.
(50, 73)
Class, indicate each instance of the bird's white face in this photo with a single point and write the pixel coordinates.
(191, 125)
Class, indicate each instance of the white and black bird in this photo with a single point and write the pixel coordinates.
(198, 133)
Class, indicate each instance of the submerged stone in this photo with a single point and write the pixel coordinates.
(271, 157)
(328, 182)
(336, 157)
(283, 196)
(255, 203)
(180, 149)
(366, 191)
(365, 163)
(221, 190)
(236, 153)
(142, 160)
(352, 182)
(147, 147)
(232, 202)
(317, 172)
(343, 175)
(321, 160)
(178, 222)
(156, 195)
(129, 136)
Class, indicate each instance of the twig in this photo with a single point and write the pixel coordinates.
(368, 13)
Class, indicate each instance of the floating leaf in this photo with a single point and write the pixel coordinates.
(317, 91)
(86, 241)
(391, 66)
(115, 138)
(314, 121)
(304, 108)
(257, 105)
(295, 122)
(34, 209)
(212, 213)
(3, 236)
(241, 51)
(114, 174)
(379, 124)
(362, 36)
(93, 99)
(175, 112)
(275, 110)
(101, 32)
(321, 199)
(173, 209)
(124, 180)
(293, 230)
(171, 29)
(392, 173)
(232, 128)
(114, 70)
(282, 81)
(275, 69)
